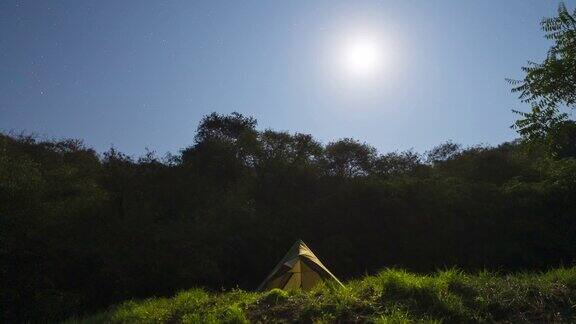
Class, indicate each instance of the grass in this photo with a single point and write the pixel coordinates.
(392, 296)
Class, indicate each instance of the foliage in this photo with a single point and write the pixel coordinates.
(554, 80)
(80, 231)
(391, 296)
(549, 85)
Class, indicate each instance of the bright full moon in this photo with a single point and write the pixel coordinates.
(362, 56)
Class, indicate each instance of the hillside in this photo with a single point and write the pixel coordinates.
(80, 230)
(392, 296)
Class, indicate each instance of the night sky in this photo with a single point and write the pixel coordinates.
(141, 74)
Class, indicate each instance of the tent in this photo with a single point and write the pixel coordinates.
(299, 268)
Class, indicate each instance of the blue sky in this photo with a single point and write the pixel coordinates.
(141, 74)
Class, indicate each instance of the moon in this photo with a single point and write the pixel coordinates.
(362, 56)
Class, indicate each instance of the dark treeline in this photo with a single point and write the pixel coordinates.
(80, 231)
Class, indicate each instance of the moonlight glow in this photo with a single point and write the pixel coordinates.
(362, 56)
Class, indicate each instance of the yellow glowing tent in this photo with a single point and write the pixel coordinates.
(299, 268)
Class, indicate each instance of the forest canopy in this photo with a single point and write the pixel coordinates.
(81, 230)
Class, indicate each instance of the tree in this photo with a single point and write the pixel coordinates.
(550, 85)
(397, 163)
(443, 152)
(349, 158)
(561, 140)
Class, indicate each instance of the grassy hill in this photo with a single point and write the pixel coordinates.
(392, 296)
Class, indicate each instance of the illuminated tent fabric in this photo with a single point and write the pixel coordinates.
(299, 268)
